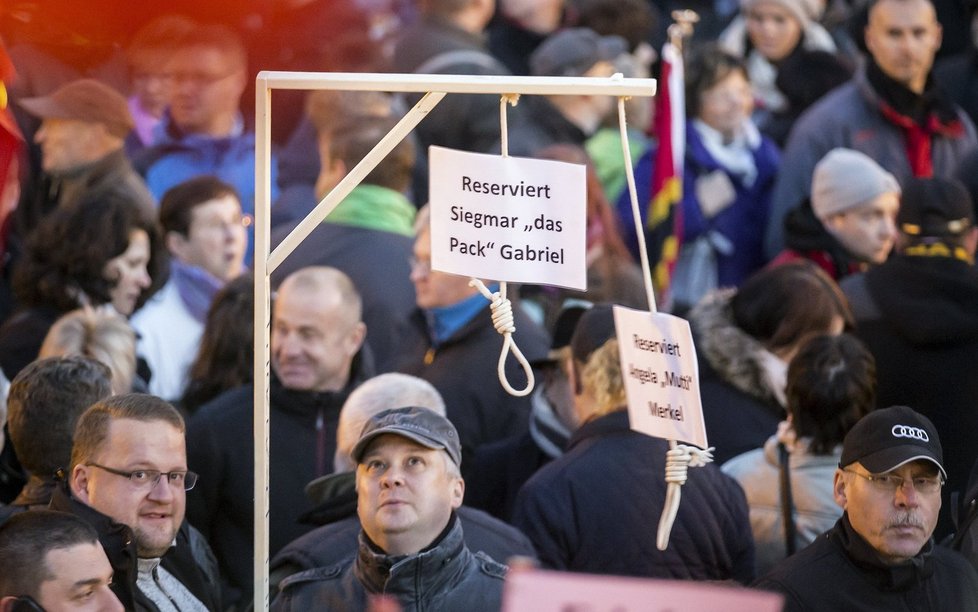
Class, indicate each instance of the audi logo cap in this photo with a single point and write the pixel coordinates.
(426, 427)
(887, 438)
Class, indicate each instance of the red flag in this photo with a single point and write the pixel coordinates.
(664, 219)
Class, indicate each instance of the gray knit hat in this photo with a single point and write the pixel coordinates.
(844, 179)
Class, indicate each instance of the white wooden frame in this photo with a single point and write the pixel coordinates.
(434, 88)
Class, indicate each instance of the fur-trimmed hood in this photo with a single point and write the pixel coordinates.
(735, 356)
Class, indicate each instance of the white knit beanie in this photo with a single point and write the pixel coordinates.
(805, 11)
(844, 179)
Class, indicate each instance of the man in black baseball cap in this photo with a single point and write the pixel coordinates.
(411, 546)
(880, 555)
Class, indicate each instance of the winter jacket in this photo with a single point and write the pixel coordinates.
(919, 318)
(595, 510)
(841, 571)
(815, 511)
(741, 405)
(335, 541)
(177, 157)
(463, 369)
(851, 116)
(190, 559)
(220, 448)
(738, 223)
(445, 576)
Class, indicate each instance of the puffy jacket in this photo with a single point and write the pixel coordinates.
(446, 576)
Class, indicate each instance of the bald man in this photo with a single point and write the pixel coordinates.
(316, 336)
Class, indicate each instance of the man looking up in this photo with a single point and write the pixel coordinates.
(411, 547)
(205, 234)
(129, 480)
(53, 561)
(879, 555)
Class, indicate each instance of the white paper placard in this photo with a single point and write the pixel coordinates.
(508, 218)
(662, 378)
(549, 591)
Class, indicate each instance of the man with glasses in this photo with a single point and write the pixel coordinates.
(203, 131)
(880, 555)
(129, 480)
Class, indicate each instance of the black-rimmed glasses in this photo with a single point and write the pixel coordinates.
(150, 478)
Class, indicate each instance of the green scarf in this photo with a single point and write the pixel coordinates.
(377, 208)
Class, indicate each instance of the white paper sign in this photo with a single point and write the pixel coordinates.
(547, 591)
(662, 378)
(508, 218)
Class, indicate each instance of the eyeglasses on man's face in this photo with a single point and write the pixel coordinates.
(150, 478)
(889, 483)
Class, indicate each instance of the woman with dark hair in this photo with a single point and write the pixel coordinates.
(728, 177)
(831, 385)
(99, 250)
(745, 339)
(225, 359)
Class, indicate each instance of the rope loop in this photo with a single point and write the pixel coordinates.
(504, 322)
(681, 457)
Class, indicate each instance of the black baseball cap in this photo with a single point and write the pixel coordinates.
(427, 428)
(594, 328)
(887, 438)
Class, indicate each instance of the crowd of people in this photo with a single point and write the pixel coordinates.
(822, 245)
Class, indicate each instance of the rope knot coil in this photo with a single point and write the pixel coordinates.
(505, 323)
(682, 457)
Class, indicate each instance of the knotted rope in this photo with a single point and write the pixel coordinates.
(679, 457)
(502, 308)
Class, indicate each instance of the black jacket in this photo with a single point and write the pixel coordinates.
(190, 560)
(220, 447)
(595, 509)
(444, 576)
(740, 405)
(919, 318)
(841, 571)
(463, 369)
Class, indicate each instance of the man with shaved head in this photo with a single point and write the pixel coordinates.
(316, 337)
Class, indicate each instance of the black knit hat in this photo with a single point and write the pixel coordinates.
(935, 207)
(594, 328)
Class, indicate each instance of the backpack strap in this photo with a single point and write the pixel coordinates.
(787, 502)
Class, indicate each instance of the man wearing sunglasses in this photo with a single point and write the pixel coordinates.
(880, 555)
(129, 480)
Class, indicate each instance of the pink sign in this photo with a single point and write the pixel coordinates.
(529, 590)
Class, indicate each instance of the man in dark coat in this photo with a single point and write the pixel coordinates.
(880, 555)
(594, 509)
(411, 546)
(918, 314)
(128, 480)
(316, 359)
(450, 342)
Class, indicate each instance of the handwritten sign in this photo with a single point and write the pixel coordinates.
(548, 591)
(508, 218)
(658, 363)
